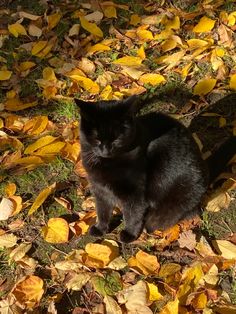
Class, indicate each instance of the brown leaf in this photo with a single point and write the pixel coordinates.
(187, 239)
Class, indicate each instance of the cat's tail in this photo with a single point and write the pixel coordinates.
(220, 158)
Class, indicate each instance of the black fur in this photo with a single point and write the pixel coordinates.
(149, 166)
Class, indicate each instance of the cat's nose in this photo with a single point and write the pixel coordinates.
(105, 151)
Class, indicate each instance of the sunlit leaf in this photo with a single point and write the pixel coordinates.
(98, 48)
(38, 46)
(53, 20)
(135, 19)
(204, 25)
(91, 27)
(145, 34)
(172, 307)
(232, 82)
(153, 292)
(110, 11)
(7, 240)
(173, 23)
(106, 93)
(129, 61)
(152, 79)
(204, 86)
(226, 248)
(6, 208)
(15, 104)
(41, 142)
(29, 291)
(76, 282)
(56, 231)
(20, 251)
(26, 65)
(10, 189)
(40, 199)
(102, 253)
(5, 75)
(17, 29)
(86, 83)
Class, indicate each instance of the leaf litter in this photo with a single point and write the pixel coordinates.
(105, 50)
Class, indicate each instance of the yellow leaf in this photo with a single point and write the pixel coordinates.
(20, 251)
(232, 82)
(53, 20)
(40, 199)
(86, 83)
(144, 34)
(225, 248)
(26, 65)
(30, 160)
(152, 79)
(135, 19)
(7, 240)
(196, 43)
(38, 125)
(56, 231)
(168, 44)
(29, 291)
(98, 48)
(141, 53)
(45, 51)
(222, 122)
(172, 59)
(173, 24)
(74, 30)
(104, 253)
(204, 86)
(232, 18)
(144, 263)
(71, 151)
(82, 226)
(49, 74)
(91, 27)
(129, 61)
(166, 33)
(17, 29)
(186, 69)
(169, 269)
(15, 104)
(153, 292)
(17, 201)
(204, 25)
(220, 52)
(51, 149)
(41, 142)
(38, 46)
(49, 92)
(172, 307)
(190, 279)
(5, 75)
(10, 189)
(110, 11)
(106, 93)
(76, 282)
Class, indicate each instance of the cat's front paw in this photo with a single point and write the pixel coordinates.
(96, 232)
(127, 237)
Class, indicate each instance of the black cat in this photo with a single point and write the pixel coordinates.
(149, 166)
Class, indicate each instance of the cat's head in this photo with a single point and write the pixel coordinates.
(108, 126)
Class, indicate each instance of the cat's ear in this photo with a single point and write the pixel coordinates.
(86, 107)
(132, 105)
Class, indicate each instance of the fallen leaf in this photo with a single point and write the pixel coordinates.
(129, 61)
(204, 86)
(98, 48)
(29, 291)
(10, 190)
(91, 27)
(41, 142)
(144, 263)
(56, 231)
(135, 19)
(53, 20)
(225, 248)
(7, 240)
(152, 79)
(5, 75)
(153, 292)
(17, 29)
(86, 83)
(101, 254)
(232, 81)
(172, 307)
(6, 208)
(204, 25)
(187, 239)
(76, 282)
(217, 200)
(40, 199)
(110, 11)
(19, 252)
(135, 298)
(111, 305)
